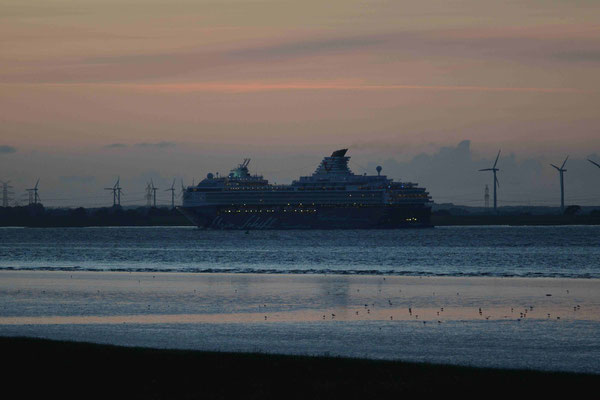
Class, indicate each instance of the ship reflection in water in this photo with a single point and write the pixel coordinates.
(331, 198)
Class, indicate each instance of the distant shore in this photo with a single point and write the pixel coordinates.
(40, 217)
(514, 220)
(86, 369)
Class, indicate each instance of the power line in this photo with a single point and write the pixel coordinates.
(6, 193)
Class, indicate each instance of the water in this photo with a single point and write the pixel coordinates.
(481, 321)
(484, 296)
(566, 251)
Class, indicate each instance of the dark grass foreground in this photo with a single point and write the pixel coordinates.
(38, 368)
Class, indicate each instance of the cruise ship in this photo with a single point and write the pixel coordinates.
(333, 197)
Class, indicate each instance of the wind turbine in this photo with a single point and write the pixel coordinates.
(496, 183)
(116, 190)
(154, 189)
(172, 190)
(119, 190)
(561, 171)
(148, 195)
(33, 193)
(595, 163)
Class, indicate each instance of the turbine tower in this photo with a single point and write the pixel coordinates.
(119, 190)
(486, 197)
(148, 195)
(116, 190)
(34, 198)
(172, 190)
(561, 171)
(496, 183)
(154, 189)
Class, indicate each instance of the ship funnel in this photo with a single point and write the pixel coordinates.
(339, 153)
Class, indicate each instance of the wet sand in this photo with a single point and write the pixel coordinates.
(540, 323)
(46, 297)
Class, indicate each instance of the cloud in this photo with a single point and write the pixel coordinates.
(451, 174)
(466, 47)
(579, 56)
(334, 85)
(310, 47)
(159, 145)
(6, 149)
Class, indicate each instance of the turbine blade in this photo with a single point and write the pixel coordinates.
(563, 165)
(173, 184)
(558, 169)
(36, 184)
(497, 183)
(497, 157)
(485, 169)
(595, 163)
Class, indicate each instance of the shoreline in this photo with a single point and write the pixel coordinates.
(535, 323)
(285, 274)
(73, 367)
(329, 273)
(179, 221)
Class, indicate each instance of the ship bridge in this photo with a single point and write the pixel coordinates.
(334, 171)
(334, 165)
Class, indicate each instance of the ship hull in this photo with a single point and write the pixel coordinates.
(316, 217)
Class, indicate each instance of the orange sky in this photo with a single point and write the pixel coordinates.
(221, 79)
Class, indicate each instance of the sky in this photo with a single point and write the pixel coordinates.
(431, 90)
